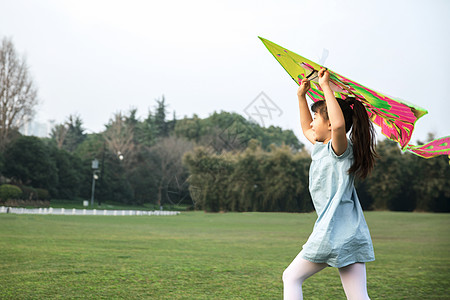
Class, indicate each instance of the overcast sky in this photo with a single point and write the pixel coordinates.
(95, 58)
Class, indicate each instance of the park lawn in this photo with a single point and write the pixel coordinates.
(196, 255)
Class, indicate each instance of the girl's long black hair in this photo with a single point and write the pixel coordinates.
(362, 134)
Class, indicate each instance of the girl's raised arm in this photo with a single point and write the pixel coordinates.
(305, 115)
(335, 115)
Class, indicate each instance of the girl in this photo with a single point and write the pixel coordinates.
(340, 237)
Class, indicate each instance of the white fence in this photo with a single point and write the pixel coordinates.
(86, 212)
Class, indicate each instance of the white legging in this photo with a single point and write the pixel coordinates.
(353, 278)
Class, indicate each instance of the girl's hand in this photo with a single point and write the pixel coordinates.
(324, 77)
(303, 88)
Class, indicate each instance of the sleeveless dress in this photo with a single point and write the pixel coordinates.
(340, 236)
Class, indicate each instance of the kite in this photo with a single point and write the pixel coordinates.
(395, 117)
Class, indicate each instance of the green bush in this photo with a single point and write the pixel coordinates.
(43, 194)
(8, 191)
(28, 193)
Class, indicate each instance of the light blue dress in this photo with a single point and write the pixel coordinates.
(340, 236)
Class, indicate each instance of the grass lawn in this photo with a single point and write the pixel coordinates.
(209, 256)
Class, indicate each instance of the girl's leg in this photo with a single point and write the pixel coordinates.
(353, 279)
(295, 274)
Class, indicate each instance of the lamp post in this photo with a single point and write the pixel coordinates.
(94, 177)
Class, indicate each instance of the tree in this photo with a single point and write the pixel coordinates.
(252, 180)
(191, 128)
(430, 182)
(167, 161)
(160, 118)
(385, 182)
(75, 133)
(285, 180)
(28, 161)
(231, 131)
(18, 95)
(2, 163)
(70, 174)
(210, 179)
(146, 132)
(119, 138)
(171, 124)
(59, 133)
(94, 146)
(70, 134)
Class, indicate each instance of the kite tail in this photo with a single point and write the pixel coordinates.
(431, 149)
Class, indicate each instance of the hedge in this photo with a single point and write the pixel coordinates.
(9, 191)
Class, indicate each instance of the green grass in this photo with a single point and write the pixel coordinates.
(209, 256)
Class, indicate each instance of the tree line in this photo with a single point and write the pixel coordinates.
(219, 163)
(277, 180)
(140, 161)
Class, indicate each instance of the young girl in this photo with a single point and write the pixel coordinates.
(340, 237)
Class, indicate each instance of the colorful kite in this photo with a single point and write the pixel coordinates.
(395, 117)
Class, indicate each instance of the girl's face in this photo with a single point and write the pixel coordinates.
(321, 128)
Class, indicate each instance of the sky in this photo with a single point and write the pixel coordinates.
(95, 58)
